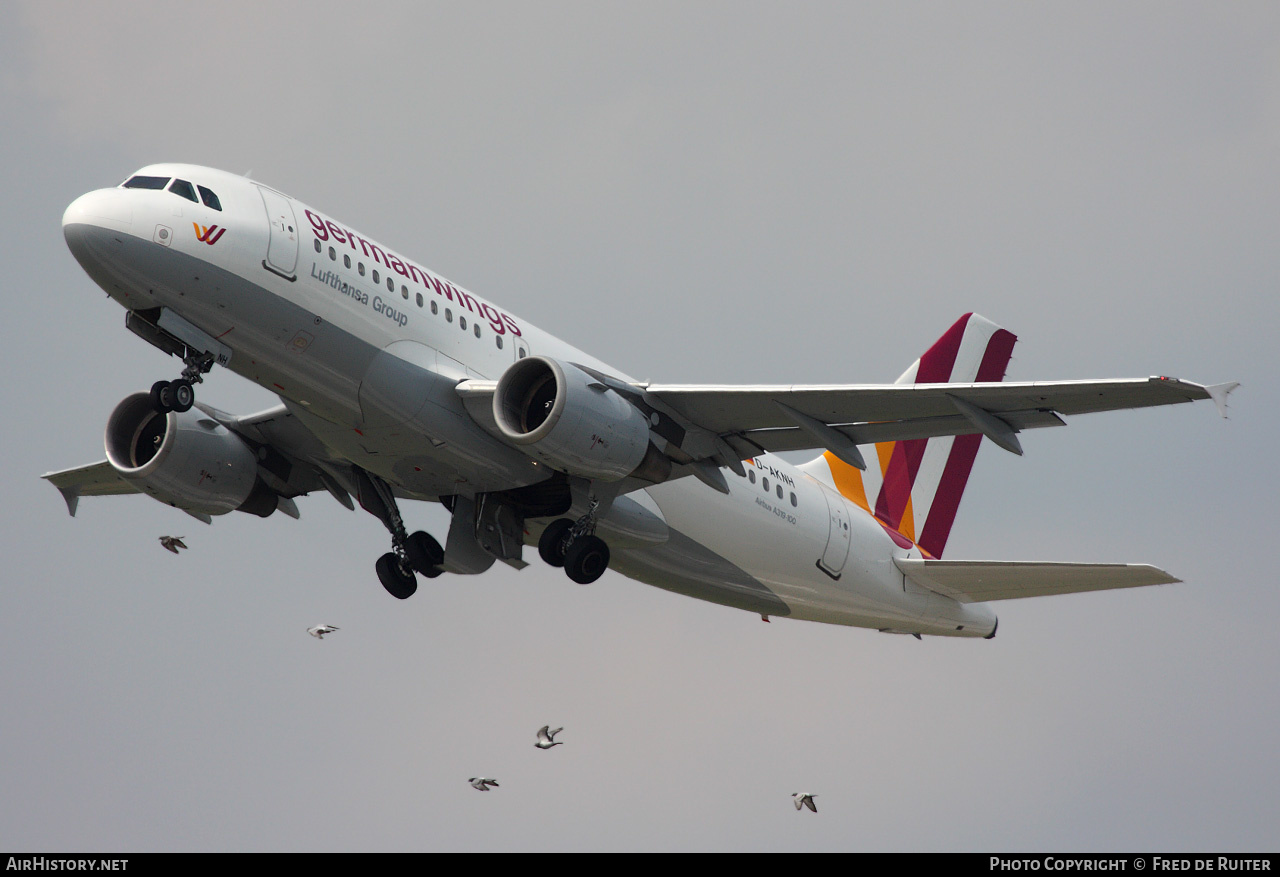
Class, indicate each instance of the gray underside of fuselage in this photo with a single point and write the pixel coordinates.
(322, 369)
(257, 327)
(684, 566)
(332, 367)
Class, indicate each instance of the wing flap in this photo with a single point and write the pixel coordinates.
(981, 581)
(795, 439)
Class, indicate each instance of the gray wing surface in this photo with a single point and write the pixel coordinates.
(753, 419)
(979, 581)
(96, 479)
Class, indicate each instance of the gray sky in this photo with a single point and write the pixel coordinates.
(737, 192)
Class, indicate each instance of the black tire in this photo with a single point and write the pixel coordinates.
(158, 390)
(425, 553)
(399, 584)
(183, 394)
(587, 559)
(551, 540)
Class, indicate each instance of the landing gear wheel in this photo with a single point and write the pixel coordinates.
(399, 584)
(158, 390)
(551, 540)
(425, 554)
(183, 395)
(587, 559)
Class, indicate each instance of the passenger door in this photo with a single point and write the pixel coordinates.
(282, 250)
(837, 550)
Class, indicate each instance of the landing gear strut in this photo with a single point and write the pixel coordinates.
(410, 553)
(574, 546)
(180, 395)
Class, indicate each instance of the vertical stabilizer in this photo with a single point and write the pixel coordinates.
(914, 487)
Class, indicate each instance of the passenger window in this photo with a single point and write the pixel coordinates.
(476, 329)
(346, 260)
(751, 475)
(419, 299)
(498, 338)
(183, 188)
(391, 286)
(376, 279)
(210, 199)
(141, 182)
(794, 503)
(765, 482)
(435, 308)
(333, 255)
(404, 292)
(523, 353)
(317, 243)
(448, 315)
(779, 491)
(360, 268)
(462, 323)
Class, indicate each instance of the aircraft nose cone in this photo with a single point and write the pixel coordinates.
(104, 208)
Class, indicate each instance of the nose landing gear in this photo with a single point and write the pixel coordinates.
(176, 395)
(180, 395)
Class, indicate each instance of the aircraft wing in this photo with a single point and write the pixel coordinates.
(291, 460)
(706, 427)
(763, 417)
(980, 581)
(96, 479)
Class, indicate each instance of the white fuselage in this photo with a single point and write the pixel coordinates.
(320, 315)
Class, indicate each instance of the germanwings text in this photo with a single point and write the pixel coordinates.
(327, 229)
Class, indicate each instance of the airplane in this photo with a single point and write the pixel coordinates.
(396, 384)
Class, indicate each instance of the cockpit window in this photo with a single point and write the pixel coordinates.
(183, 188)
(210, 199)
(142, 182)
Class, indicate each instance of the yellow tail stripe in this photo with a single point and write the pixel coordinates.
(848, 481)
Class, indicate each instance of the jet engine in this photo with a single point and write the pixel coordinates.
(559, 414)
(185, 459)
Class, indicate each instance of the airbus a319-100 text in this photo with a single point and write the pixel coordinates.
(396, 384)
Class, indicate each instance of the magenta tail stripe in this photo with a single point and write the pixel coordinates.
(955, 476)
(996, 360)
(942, 514)
(935, 367)
(940, 359)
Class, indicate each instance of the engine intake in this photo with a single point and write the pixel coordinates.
(563, 416)
(185, 459)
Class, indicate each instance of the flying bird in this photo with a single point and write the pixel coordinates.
(547, 738)
(172, 543)
(482, 783)
(803, 801)
(320, 630)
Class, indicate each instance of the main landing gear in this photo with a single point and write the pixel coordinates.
(574, 546)
(411, 553)
(418, 553)
(180, 395)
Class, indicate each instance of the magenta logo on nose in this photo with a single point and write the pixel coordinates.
(209, 235)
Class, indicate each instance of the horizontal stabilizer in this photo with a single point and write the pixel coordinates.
(980, 581)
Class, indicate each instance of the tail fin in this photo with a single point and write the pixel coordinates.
(919, 483)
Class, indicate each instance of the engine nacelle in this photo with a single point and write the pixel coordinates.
(559, 414)
(185, 459)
